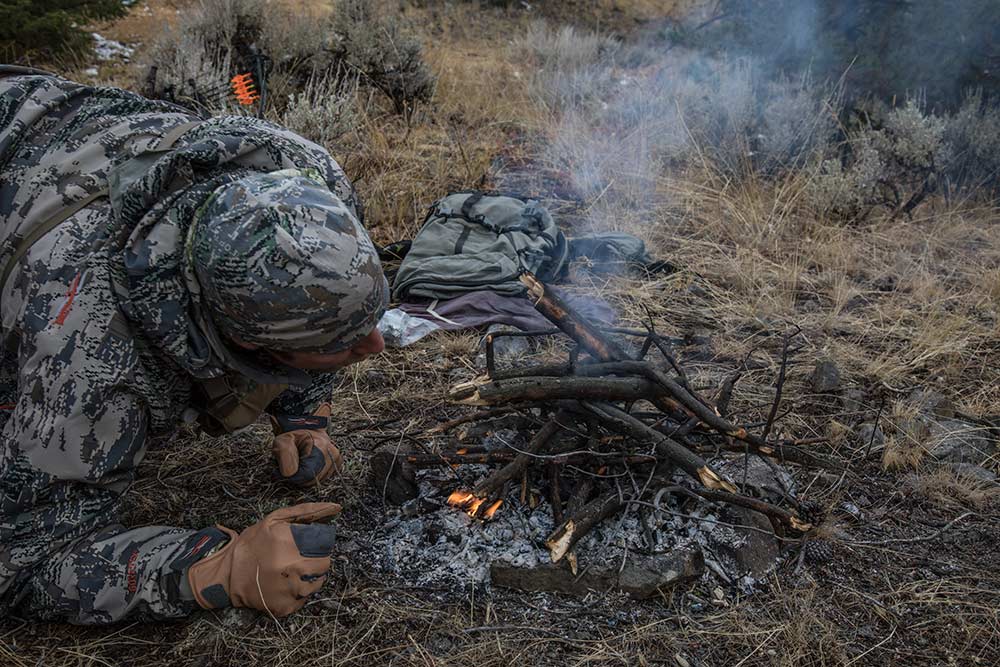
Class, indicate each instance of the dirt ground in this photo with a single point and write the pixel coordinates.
(914, 578)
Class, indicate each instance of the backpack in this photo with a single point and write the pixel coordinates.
(473, 241)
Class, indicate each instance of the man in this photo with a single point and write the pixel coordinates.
(157, 268)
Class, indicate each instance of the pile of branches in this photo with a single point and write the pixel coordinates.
(593, 426)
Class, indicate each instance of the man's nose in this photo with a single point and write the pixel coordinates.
(373, 343)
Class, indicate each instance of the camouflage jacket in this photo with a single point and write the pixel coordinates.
(62, 141)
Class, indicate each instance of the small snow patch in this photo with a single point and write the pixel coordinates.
(109, 49)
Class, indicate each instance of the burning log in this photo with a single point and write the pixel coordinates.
(473, 505)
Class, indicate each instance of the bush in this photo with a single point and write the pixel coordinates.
(324, 110)
(882, 48)
(45, 30)
(723, 114)
(893, 160)
(217, 38)
(567, 68)
(973, 134)
(848, 187)
(375, 46)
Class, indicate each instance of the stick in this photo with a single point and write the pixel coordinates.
(555, 497)
(512, 470)
(444, 427)
(574, 326)
(765, 508)
(507, 455)
(780, 385)
(688, 461)
(479, 392)
(691, 404)
(570, 531)
(925, 538)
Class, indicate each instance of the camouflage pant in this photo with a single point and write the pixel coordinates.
(78, 563)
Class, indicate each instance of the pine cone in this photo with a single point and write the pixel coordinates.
(818, 551)
(812, 511)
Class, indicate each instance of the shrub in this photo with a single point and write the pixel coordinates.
(49, 29)
(217, 38)
(893, 160)
(376, 47)
(567, 68)
(220, 37)
(324, 110)
(848, 187)
(882, 48)
(973, 134)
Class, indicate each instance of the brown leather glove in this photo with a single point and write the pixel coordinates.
(273, 565)
(306, 457)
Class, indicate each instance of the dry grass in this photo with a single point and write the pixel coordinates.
(950, 489)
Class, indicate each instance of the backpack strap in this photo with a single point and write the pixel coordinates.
(165, 143)
(469, 202)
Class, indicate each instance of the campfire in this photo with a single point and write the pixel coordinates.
(611, 432)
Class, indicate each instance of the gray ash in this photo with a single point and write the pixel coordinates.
(428, 543)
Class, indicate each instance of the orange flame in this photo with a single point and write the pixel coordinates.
(471, 504)
(493, 509)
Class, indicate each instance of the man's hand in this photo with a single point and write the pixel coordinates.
(273, 565)
(306, 456)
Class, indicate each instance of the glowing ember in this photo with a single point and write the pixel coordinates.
(492, 509)
(471, 504)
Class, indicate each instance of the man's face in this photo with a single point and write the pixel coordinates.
(371, 344)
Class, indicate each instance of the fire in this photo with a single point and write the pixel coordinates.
(471, 504)
(492, 509)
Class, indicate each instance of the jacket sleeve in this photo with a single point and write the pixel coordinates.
(69, 451)
(296, 401)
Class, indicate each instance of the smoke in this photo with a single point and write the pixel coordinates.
(621, 116)
(763, 87)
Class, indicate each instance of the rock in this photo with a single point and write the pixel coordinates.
(506, 349)
(642, 577)
(975, 472)
(755, 551)
(825, 377)
(869, 433)
(395, 482)
(837, 432)
(772, 484)
(851, 511)
(885, 283)
(418, 507)
(853, 401)
(959, 442)
(931, 402)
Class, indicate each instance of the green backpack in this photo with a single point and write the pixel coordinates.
(474, 241)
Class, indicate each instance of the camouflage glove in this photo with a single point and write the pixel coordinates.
(273, 565)
(305, 454)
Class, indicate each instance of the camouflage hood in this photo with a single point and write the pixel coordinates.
(284, 265)
(281, 261)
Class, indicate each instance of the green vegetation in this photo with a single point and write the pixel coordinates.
(49, 30)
